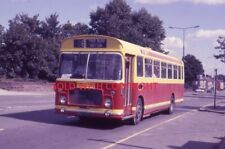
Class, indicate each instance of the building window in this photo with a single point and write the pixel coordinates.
(148, 68)
(139, 66)
(157, 69)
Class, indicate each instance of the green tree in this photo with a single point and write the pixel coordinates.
(69, 30)
(1, 35)
(221, 47)
(30, 47)
(149, 28)
(193, 68)
(117, 20)
(50, 31)
(24, 48)
(2, 45)
(114, 19)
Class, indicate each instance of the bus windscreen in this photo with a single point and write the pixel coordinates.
(91, 66)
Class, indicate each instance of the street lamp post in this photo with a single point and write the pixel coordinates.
(183, 31)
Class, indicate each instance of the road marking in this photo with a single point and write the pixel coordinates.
(150, 128)
(145, 130)
(207, 105)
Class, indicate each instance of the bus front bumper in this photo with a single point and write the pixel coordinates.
(90, 112)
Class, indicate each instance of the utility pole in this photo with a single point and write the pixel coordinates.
(183, 31)
(215, 88)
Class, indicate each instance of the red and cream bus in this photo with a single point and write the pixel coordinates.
(106, 77)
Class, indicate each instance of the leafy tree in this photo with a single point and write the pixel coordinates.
(193, 68)
(1, 34)
(69, 30)
(117, 20)
(150, 29)
(30, 47)
(24, 48)
(81, 28)
(114, 19)
(50, 32)
(2, 44)
(221, 47)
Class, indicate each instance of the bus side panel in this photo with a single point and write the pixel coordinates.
(157, 96)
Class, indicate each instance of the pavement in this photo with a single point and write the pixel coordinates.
(16, 93)
(219, 107)
(222, 144)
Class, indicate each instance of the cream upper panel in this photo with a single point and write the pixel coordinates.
(114, 44)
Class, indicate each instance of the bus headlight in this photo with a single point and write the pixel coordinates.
(108, 103)
(62, 99)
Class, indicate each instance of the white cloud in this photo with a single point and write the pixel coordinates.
(172, 43)
(93, 7)
(202, 33)
(208, 2)
(156, 1)
(20, 1)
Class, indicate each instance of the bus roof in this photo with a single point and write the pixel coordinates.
(108, 43)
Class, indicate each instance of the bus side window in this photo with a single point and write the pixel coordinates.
(174, 71)
(169, 71)
(163, 70)
(139, 66)
(148, 68)
(182, 73)
(157, 69)
(179, 72)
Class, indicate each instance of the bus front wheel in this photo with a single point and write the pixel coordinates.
(138, 114)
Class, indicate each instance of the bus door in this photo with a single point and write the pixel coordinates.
(128, 84)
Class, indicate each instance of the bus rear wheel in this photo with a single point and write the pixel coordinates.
(170, 110)
(138, 114)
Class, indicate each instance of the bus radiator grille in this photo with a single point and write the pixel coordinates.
(85, 97)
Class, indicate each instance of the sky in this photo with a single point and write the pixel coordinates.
(200, 42)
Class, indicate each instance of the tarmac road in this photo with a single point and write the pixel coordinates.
(29, 121)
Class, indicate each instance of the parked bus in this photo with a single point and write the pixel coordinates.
(102, 76)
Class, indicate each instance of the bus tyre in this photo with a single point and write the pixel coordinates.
(138, 114)
(171, 108)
